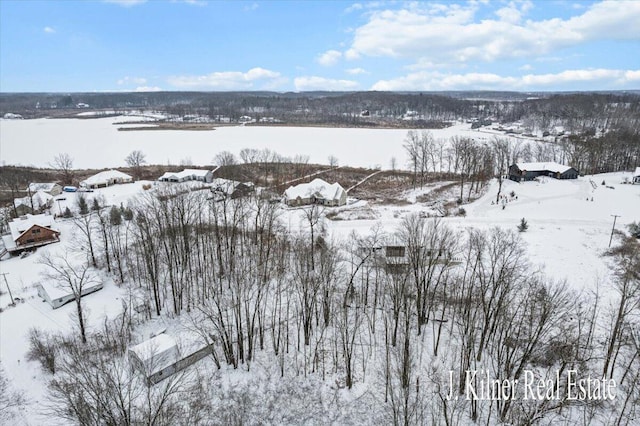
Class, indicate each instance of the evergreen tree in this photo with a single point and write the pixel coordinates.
(523, 225)
(96, 205)
(115, 217)
(67, 213)
(82, 205)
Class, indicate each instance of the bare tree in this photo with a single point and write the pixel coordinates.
(225, 158)
(63, 163)
(249, 155)
(71, 277)
(501, 155)
(135, 160)
(627, 286)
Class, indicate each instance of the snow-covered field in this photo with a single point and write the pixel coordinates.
(97, 143)
(569, 221)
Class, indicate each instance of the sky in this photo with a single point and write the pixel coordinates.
(176, 45)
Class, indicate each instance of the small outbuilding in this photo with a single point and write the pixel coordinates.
(106, 178)
(162, 356)
(59, 296)
(317, 191)
(154, 355)
(636, 176)
(529, 171)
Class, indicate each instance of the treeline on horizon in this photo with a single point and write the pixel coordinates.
(578, 112)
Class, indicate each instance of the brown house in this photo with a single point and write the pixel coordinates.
(30, 231)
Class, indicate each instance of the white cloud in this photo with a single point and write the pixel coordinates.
(255, 78)
(132, 80)
(148, 89)
(357, 71)
(525, 67)
(353, 7)
(49, 30)
(126, 3)
(195, 2)
(426, 80)
(320, 83)
(453, 33)
(351, 54)
(251, 7)
(329, 58)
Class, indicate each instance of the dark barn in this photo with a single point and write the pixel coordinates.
(530, 171)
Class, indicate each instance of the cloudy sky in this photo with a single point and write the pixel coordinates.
(138, 45)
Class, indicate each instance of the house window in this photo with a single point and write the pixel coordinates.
(395, 251)
(35, 231)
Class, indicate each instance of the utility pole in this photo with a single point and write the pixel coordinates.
(59, 207)
(615, 216)
(4, 275)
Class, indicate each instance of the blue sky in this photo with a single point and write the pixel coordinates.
(136, 45)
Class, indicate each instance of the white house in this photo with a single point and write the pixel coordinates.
(187, 175)
(106, 178)
(38, 201)
(58, 296)
(50, 188)
(317, 191)
(636, 175)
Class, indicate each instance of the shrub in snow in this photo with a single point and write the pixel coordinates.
(127, 214)
(603, 183)
(634, 229)
(513, 194)
(42, 348)
(462, 212)
(96, 205)
(523, 225)
(67, 213)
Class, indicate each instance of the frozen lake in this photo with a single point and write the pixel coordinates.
(97, 143)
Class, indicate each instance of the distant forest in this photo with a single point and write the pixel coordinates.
(585, 113)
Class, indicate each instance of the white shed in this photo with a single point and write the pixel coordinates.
(155, 354)
(58, 296)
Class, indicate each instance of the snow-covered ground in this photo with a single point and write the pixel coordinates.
(97, 143)
(568, 233)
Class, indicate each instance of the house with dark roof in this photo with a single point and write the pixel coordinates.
(529, 171)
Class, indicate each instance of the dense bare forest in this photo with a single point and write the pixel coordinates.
(409, 311)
